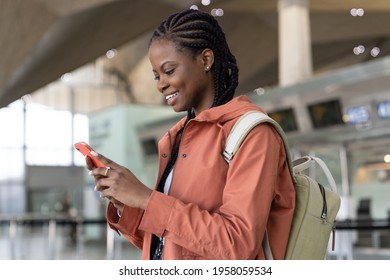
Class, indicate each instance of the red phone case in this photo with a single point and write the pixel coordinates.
(86, 150)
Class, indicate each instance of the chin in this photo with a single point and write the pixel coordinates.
(178, 109)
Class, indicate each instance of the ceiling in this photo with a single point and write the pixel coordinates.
(42, 39)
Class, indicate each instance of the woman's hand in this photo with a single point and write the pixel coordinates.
(118, 184)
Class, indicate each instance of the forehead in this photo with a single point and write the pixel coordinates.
(162, 50)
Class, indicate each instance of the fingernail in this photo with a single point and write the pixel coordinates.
(90, 173)
(94, 153)
(95, 188)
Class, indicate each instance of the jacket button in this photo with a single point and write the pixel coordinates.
(184, 155)
(164, 155)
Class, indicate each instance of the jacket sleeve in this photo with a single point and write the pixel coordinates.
(236, 229)
(127, 224)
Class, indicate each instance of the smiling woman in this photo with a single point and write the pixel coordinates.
(201, 207)
(184, 79)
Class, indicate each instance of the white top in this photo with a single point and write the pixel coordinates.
(168, 182)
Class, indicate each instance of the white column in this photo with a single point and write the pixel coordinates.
(295, 57)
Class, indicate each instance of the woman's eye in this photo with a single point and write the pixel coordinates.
(157, 78)
(170, 71)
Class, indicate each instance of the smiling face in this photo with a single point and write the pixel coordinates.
(183, 78)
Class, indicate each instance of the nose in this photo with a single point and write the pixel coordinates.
(162, 85)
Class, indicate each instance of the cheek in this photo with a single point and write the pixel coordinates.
(196, 79)
(191, 79)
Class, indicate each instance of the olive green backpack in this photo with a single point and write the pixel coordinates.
(316, 206)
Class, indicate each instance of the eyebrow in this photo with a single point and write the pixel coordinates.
(162, 65)
(166, 62)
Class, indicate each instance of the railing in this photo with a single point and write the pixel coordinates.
(52, 232)
(17, 232)
(363, 224)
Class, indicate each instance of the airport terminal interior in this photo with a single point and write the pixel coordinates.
(78, 71)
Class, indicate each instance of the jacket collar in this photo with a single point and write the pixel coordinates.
(231, 110)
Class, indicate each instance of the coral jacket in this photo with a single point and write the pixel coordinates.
(213, 210)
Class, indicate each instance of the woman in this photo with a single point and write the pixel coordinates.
(201, 207)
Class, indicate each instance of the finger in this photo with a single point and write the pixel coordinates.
(105, 193)
(101, 172)
(101, 185)
(89, 163)
(104, 160)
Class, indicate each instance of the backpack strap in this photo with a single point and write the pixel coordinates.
(238, 133)
(241, 129)
(304, 163)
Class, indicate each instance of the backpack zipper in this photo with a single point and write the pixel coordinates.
(324, 214)
(324, 206)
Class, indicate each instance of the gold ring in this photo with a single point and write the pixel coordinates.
(106, 172)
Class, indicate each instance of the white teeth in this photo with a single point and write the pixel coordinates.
(171, 95)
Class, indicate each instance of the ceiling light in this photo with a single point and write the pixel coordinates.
(111, 53)
(360, 12)
(357, 12)
(375, 51)
(217, 12)
(260, 91)
(66, 77)
(359, 49)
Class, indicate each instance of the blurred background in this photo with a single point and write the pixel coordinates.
(78, 71)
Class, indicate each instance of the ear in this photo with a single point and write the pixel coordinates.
(207, 56)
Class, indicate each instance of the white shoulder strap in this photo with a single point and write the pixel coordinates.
(241, 129)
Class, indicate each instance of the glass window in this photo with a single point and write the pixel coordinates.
(49, 136)
(11, 126)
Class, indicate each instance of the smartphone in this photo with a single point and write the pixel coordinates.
(86, 150)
